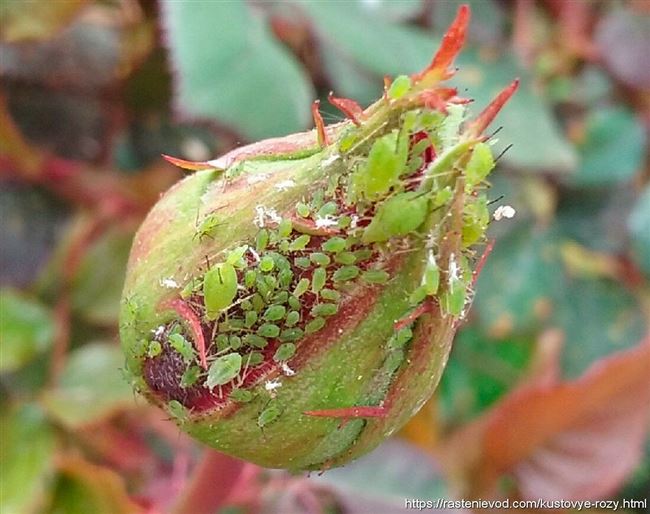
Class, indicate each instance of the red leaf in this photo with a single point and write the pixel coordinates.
(570, 440)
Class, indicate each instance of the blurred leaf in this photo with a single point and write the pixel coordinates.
(97, 286)
(379, 481)
(613, 148)
(31, 222)
(26, 329)
(571, 440)
(479, 372)
(520, 278)
(85, 488)
(639, 225)
(23, 20)
(379, 47)
(91, 387)
(598, 317)
(26, 457)
(231, 69)
(596, 218)
(623, 39)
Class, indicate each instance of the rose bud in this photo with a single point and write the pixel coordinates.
(293, 302)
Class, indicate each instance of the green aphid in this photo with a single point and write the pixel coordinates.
(375, 276)
(190, 376)
(330, 294)
(261, 240)
(268, 330)
(182, 346)
(398, 216)
(283, 246)
(222, 342)
(418, 295)
(442, 197)
(318, 280)
(453, 299)
(250, 319)
(223, 369)
(177, 411)
(266, 264)
(285, 227)
(281, 262)
(362, 255)
(399, 87)
(346, 273)
(320, 259)
(255, 341)
(302, 262)
(219, 288)
(381, 171)
(393, 361)
(301, 287)
(346, 258)
(400, 338)
(450, 128)
(344, 221)
(284, 352)
(334, 245)
(140, 348)
(479, 165)
(292, 318)
(271, 282)
(294, 303)
(268, 416)
(328, 209)
(324, 309)
(249, 278)
(154, 349)
(254, 359)
(258, 302)
(208, 226)
(302, 210)
(235, 257)
(263, 288)
(246, 305)
(431, 277)
(299, 243)
(475, 220)
(240, 395)
(291, 334)
(281, 297)
(314, 325)
(285, 277)
(274, 313)
(235, 342)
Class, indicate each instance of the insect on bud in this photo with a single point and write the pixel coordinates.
(293, 302)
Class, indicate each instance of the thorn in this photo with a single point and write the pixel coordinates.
(187, 165)
(348, 107)
(427, 305)
(452, 42)
(323, 140)
(489, 113)
(482, 260)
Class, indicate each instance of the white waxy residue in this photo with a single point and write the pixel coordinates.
(504, 212)
(284, 185)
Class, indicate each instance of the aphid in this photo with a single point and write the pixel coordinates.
(219, 288)
(268, 415)
(208, 226)
(284, 352)
(177, 411)
(397, 216)
(223, 370)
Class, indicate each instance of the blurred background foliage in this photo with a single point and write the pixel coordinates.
(547, 391)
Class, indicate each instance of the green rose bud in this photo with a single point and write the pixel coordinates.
(293, 302)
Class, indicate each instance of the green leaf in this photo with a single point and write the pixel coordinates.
(613, 149)
(97, 286)
(92, 386)
(231, 68)
(26, 329)
(599, 317)
(519, 281)
(639, 226)
(479, 372)
(27, 457)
